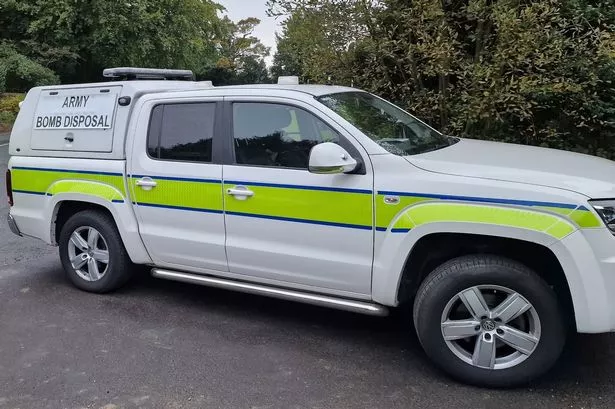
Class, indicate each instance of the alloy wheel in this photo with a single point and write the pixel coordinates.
(88, 253)
(490, 327)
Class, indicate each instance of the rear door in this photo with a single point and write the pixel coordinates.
(175, 181)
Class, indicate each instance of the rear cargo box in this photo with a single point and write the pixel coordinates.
(78, 119)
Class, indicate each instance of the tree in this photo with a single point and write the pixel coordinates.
(317, 36)
(241, 56)
(79, 39)
(526, 71)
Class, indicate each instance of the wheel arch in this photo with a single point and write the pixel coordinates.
(395, 276)
(432, 250)
(63, 205)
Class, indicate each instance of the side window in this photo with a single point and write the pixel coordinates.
(182, 132)
(277, 135)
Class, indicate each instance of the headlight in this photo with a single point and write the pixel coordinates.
(606, 210)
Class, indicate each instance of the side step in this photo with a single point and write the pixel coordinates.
(284, 294)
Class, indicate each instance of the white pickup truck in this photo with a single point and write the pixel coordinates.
(326, 195)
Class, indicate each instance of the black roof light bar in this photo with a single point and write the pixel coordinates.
(134, 73)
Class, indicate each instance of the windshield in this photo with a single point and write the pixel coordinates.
(392, 128)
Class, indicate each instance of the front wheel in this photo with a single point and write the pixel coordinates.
(489, 321)
(92, 252)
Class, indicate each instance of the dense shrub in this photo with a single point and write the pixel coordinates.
(9, 107)
(18, 73)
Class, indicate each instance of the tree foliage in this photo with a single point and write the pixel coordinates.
(18, 72)
(527, 71)
(241, 55)
(78, 39)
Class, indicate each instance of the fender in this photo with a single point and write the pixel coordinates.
(103, 195)
(393, 245)
(590, 292)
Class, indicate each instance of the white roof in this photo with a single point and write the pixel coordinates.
(147, 86)
(311, 89)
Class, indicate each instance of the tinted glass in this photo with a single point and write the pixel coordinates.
(392, 128)
(277, 135)
(153, 137)
(182, 132)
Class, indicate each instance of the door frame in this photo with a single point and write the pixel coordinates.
(139, 129)
(347, 141)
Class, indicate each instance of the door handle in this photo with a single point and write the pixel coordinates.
(240, 192)
(146, 183)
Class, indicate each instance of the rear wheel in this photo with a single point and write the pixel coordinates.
(489, 321)
(92, 252)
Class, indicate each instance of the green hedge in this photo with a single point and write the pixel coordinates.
(9, 107)
(19, 73)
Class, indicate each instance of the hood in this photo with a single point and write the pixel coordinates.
(589, 175)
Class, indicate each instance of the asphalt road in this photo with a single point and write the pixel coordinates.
(159, 344)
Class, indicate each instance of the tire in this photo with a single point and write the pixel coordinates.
(444, 296)
(105, 277)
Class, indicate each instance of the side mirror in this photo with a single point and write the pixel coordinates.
(330, 158)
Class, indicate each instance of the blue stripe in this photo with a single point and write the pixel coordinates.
(397, 230)
(117, 201)
(482, 199)
(84, 172)
(302, 187)
(178, 179)
(192, 209)
(259, 216)
(291, 219)
(29, 192)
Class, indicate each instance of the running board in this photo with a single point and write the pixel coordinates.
(284, 294)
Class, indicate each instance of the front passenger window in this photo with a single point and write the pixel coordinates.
(277, 135)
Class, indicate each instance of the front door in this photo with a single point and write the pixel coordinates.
(177, 186)
(288, 226)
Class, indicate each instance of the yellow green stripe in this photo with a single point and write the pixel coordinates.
(201, 195)
(385, 213)
(585, 219)
(329, 206)
(50, 182)
(87, 188)
(343, 207)
(501, 216)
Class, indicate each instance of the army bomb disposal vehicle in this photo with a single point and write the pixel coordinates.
(326, 195)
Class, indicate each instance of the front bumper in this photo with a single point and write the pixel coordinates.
(13, 224)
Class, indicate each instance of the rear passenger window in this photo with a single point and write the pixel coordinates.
(182, 132)
(277, 135)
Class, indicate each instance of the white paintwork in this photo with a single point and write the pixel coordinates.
(588, 175)
(35, 214)
(312, 90)
(180, 237)
(316, 255)
(308, 254)
(351, 263)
